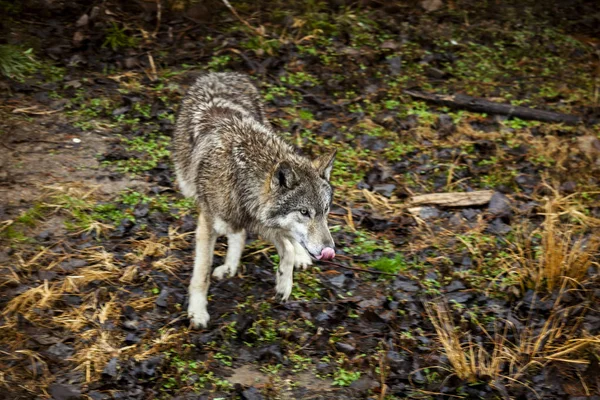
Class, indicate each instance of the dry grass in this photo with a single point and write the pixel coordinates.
(561, 254)
(469, 361)
(40, 297)
(557, 340)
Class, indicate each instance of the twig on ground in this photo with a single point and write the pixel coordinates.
(154, 75)
(32, 110)
(456, 199)
(158, 17)
(243, 21)
(461, 101)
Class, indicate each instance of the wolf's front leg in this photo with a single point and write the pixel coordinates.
(235, 247)
(301, 258)
(205, 246)
(285, 271)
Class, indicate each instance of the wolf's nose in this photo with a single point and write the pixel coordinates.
(326, 254)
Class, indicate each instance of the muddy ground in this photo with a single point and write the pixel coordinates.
(496, 300)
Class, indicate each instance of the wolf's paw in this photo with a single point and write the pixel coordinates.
(223, 270)
(197, 311)
(198, 318)
(283, 289)
(302, 260)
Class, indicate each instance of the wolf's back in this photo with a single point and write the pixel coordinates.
(212, 97)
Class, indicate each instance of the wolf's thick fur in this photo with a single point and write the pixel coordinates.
(244, 177)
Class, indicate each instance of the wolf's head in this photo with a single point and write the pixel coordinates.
(300, 199)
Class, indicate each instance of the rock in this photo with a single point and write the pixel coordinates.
(60, 351)
(445, 125)
(345, 347)
(589, 145)
(386, 189)
(149, 366)
(47, 275)
(459, 297)
(96, 395)
(131, 62)
(372, 302)
(499, 205)
(323, 368)
(111, 369)
(272, 352)
(395, 65)
(132, 338)
(498, 227)
(435, 73)
(455, 286)
(120, 111)
(568, 187)
(407, 286)
(455, 220)
(394, 359)
(323, 316)
(338, 280)
(364, 384)
(252, 394)
(64, 392)
(432, 5)
(161, 300)
(428, 213)
(82, 21)
(470, 214)
(36, 368)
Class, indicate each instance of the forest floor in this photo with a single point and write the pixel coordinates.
(499, 300)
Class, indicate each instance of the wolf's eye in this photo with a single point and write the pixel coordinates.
(304, 211)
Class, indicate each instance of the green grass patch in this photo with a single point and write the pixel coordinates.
(16, 62)
(390, 265)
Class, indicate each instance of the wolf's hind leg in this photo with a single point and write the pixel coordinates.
(285, 272)
(205, 246)
(301, 258)
(235, 247)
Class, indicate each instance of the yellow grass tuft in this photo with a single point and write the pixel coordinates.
(170, 265)
(469, 361)
(560, 256)
(558, 340)
(40, 297)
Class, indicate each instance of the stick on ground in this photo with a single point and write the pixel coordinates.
(464, 102)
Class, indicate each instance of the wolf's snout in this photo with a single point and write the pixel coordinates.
(326, 254)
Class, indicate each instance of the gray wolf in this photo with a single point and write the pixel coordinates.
(245, 178)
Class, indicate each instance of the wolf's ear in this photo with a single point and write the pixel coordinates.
(324, 164)
(284, 176)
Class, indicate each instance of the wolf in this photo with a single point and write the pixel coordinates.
(244, 177)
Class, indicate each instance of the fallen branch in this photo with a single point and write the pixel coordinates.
(459, 199)
(258, 31)
(462, 101)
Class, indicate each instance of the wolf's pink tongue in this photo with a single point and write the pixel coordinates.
(327, 254)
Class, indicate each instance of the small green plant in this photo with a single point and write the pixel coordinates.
(366, 243)
(150, 151)
(342, 377)
(218, 63)
(307, 286)
(16, 63)
(390, 265)
(224, 359)
(117, 38)
(299, 363)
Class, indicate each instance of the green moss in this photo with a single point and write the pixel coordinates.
(149, 151)
(32, 216)
(390, 265)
